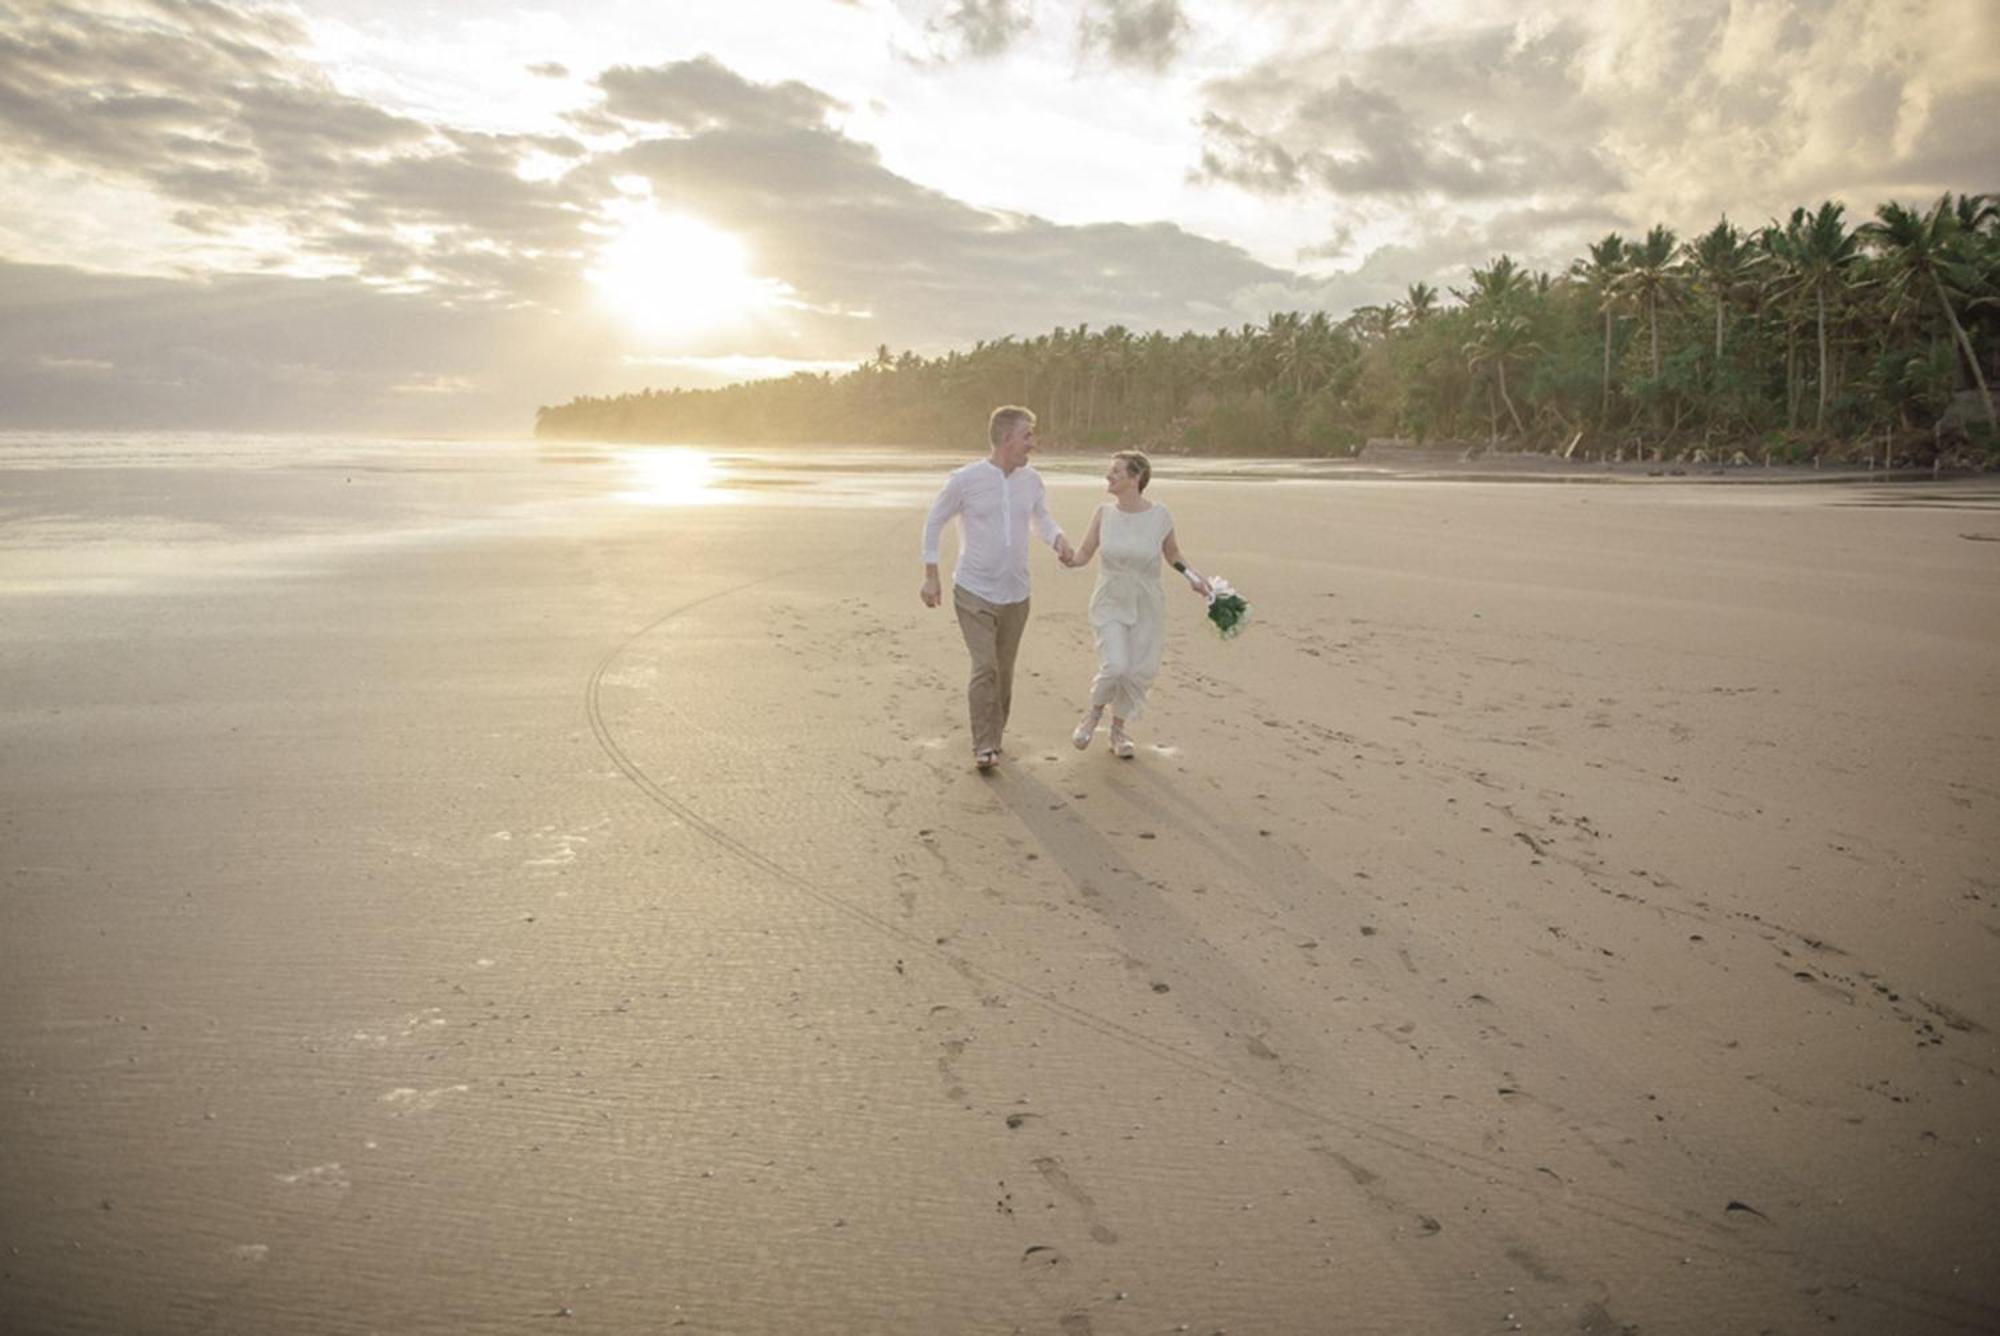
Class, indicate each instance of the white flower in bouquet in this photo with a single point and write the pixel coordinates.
(1227, 610)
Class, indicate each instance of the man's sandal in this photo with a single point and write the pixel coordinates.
(987, 758)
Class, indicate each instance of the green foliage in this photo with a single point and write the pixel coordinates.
(1734, 336)
(1240, 424)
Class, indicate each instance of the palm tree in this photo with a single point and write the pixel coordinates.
(1723, 260)
(1318, 340)
(1374, 323)
(1975, 211)
(1284, 345)
(1420, 303)
(1603, 274)
(1500, 336)
(1923, 258)
(1829, 253)
(1777, 249)
(1652, 275)
(1821, 252)
(1501, 284)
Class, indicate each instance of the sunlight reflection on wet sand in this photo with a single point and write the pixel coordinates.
(688, 475)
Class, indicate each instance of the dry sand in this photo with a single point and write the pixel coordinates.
(1572, 908)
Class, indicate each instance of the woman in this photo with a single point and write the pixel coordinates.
(1127, 609)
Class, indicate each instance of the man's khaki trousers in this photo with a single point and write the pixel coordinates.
(993, 637)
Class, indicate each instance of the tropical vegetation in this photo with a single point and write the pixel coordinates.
(1806, 338)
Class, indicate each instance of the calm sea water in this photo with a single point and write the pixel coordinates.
(82, 512)
(141, 511)
(112, 512)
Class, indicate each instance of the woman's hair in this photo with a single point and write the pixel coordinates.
(1137, 465)
(1004, 420)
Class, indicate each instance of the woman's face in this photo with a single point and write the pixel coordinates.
(1119, 480)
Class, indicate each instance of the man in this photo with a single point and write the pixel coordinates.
(996, 500)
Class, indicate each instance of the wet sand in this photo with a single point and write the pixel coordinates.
(1572, 907)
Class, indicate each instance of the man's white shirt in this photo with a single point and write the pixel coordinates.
(995, 511)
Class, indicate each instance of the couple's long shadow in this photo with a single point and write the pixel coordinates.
(1160, 941)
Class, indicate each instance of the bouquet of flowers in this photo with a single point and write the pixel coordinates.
(1226, 608)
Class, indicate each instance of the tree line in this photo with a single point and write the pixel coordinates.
(1799, 339)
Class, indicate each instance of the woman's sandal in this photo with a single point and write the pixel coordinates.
(1087, 728)
(1121, 746)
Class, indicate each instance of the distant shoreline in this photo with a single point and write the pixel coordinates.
(1419, 464)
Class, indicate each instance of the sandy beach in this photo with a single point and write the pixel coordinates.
(1569, 909)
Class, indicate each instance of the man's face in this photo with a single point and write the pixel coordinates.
(1016, 444)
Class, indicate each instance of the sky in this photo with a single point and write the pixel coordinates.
(393, 216)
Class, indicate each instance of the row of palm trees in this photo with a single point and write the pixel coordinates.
(1806, 335)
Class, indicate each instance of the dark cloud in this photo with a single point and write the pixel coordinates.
(1236, 155)
(216, 111)
(1960, 143)
(983, 28)
(704, 94)
(1481, 114)
(259, 352)
(1144, 33)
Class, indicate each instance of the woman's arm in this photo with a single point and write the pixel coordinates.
(1171, 550)
(1045, 524)
(1089, 548)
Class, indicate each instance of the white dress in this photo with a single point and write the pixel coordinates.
(1128, 611)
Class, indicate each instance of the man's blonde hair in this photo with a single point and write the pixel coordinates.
(1137, 465)
(1005, 418)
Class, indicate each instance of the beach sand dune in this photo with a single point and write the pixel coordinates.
(1568, 908)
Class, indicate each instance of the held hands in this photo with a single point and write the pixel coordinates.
(1064, 552)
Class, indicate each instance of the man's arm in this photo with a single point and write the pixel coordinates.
(948, 503)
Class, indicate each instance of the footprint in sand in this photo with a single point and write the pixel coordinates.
(948, 1021)
(954, 1085)
(1378, 1194)
(1058, 1178)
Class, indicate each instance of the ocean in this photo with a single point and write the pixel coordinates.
(150, 511)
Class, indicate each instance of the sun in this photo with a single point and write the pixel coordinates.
(669, 276)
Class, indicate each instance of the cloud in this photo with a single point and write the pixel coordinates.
(217, 111)
(449, 288)
(1142, 33)
(703, 94)
(1234, 154)
(1637, 113)
(1486, 113)
(982, 29)
(373, 260)
(259, 352)
(822, 214)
